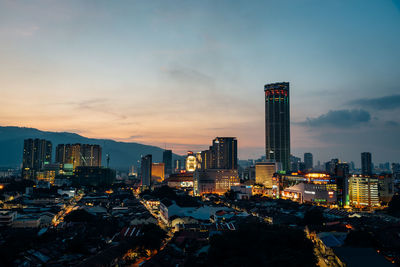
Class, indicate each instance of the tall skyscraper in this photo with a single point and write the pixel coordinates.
(145, 170)
(167, 160)
(366, 163)
(36, 153)
(277, 123)
(79, 155)
(224, 153)
(308, 161)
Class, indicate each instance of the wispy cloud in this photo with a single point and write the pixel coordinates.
(389, 102)
(339, 118)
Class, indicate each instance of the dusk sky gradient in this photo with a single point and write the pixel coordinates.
(179, 73)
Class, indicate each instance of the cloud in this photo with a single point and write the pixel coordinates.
(380, 103)
(339, 118)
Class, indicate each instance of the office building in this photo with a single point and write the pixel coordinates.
(277, 123)
(79, 155)
(265, 173)
(167, 160)
(363, 191)
(366, 163)
(214, 181)
(37, 153)
(224, 153)
(157, 172)
(221, 155)
(308, 161)
(145, 169)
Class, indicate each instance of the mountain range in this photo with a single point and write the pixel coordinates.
(122, 154)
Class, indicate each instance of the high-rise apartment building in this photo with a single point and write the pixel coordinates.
(37, 153)
(79, 155)
(145, 170)
(363, 191)
(224, 153)
(366, 163)
(308, 161)
(167, 160)
(277, 123)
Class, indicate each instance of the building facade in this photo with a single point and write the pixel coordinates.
(145, 170)
(79, 155)
(277, 123)
(366, 163)
(167, 160)
(214, 181)
(37, 153)
(308, 161)
(363, 191)
(265, 172)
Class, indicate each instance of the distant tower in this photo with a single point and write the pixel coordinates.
(277, 123)
(145, 170)
(167, 160)
(366, 163)
(308, 161)
(108, 160)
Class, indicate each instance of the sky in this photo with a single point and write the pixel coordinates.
(176, 74)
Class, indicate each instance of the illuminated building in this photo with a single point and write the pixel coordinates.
(167, 160)
(49, 173)
(180, 180)
(363, 191)
(308, 161)
(191, 162)
(206, 159)
(37, 153)
(214, 181)
(265, 172)
(79, 155)
(145, 170)
(277, 123)
(311, 193)
(157, 172)
(341, 176)
(366, 163)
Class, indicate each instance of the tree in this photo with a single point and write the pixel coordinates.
(314, 216)
(261, 244)
(230, 194)
(80, 216)
(394, 206)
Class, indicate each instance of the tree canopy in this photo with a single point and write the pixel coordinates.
(260, 244)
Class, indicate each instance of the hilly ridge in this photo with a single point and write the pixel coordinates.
(122, 154)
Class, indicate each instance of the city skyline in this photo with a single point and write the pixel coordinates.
(178, 75)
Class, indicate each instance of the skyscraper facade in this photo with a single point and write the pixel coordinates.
(145, 170)
(308, 161)
(37, 153)
(224, 153)
(167, 160)
(277, 123)
(79, 155)
(366, 163)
